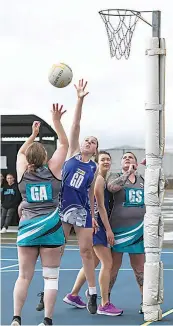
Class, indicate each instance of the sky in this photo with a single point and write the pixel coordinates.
(36, 34)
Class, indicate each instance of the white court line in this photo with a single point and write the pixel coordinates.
(13, 259)
(78, 269)
(6, 267)
(67, 249)
(7, 259)
(76, 249)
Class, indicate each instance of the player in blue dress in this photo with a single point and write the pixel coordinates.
(40, 229)
(102, 240)
(77, 195)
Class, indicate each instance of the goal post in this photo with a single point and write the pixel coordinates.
(120, 25)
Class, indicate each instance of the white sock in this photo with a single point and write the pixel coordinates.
(92, 290)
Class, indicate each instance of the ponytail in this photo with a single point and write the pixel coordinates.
(31, 168)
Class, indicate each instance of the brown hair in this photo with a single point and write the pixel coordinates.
(96, 156)
(132, 154)
(104, 152)
(35, 155)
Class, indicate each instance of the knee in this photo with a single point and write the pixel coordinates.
(116, 265)
(138, 267)
(25, 277)
(62, 250)
(107, 265)
(51, 278)
(86, 253)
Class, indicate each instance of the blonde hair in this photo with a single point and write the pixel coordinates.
(36, 155)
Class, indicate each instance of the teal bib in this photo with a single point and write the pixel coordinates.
(134, 197)
(39, 192)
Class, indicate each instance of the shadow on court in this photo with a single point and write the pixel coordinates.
(125, 293)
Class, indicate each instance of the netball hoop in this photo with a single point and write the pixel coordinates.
(120, 26)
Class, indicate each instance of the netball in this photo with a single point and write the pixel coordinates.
(60, 75)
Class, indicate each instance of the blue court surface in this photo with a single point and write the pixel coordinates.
(125, 293)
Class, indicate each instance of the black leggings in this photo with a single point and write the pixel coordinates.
(7, 216)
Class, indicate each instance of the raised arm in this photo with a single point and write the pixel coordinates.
(116, 182)
(99, 195)
(57, 160)
(21, 164)
(74, 146)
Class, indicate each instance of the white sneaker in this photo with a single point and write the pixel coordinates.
(15, 323)
(4, 230)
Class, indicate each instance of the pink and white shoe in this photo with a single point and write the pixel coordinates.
(109, 310)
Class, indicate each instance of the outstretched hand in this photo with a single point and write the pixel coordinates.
(35, 128)
(81, 92)
(57, 112)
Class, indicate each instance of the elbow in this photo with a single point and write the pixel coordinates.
(64, 144)
(76, 126)
(114, 188)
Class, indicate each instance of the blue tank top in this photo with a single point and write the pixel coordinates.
(77, 178)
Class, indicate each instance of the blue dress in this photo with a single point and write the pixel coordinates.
(100, 237)
(77, 177)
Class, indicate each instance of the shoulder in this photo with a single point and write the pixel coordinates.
(100, 181)
(76, 156)
(93, 165)
(99, 185)
(140, 177)
(75, 159)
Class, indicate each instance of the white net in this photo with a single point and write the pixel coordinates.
(120, 25)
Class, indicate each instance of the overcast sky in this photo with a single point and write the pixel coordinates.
(38, 33)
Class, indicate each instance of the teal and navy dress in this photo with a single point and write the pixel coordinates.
(127, 217)
(40, 224)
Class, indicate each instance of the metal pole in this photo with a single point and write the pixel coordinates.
(156, 23)
(154, 176)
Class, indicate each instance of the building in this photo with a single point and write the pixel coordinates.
(14, 131)
(117, 153)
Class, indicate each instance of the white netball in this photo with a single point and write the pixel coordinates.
(60, 75)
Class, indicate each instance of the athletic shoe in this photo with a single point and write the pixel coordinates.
(74, 300)
(40, 305)
(46, 321)
(4, 230)
(92, 302)
(140, 310)
(16, 322)
(109, 310)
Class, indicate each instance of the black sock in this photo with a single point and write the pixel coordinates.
(18, 318)
(48, 321)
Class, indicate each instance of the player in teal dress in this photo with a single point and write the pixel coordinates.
(127, 217)
(40, 229)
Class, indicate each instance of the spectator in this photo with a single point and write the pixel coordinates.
(10, 200)
(2, 186)
(2, 181)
